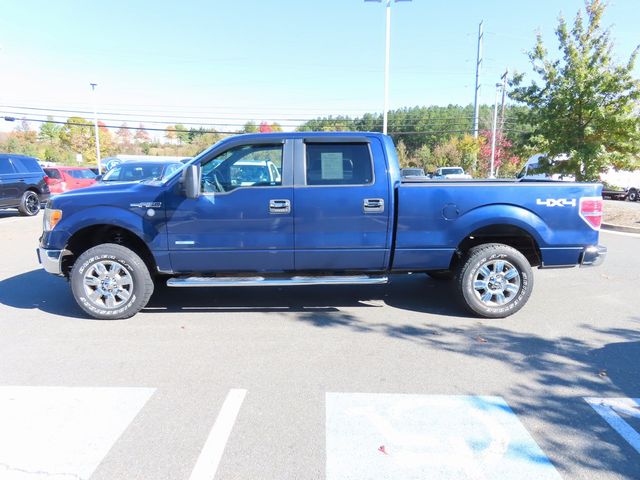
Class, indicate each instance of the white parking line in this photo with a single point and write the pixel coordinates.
(610, 408)
(62, 432)
(207, 463)
(389, 436)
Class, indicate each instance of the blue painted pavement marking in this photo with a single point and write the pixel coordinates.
(396, 436)
(611, 408)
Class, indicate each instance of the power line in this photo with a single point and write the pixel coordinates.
(419, 124)
(203, 131)
(460, 120)
(274, 117)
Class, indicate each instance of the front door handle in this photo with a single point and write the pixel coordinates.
(373, 205)
(279, 206)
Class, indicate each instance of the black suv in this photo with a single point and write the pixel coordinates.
(22, 183)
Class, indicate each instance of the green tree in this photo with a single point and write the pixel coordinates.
(170, 133)
(447, 154)
(182, 133)
(585, 104)
(77, 136)
(250, 127)
(403, 156)
(49, 131)
(469, 148)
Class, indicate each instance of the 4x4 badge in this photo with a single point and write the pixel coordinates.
(556, 202)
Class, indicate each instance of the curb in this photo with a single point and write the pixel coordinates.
(620, 228)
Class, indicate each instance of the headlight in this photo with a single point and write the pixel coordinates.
(51, 218)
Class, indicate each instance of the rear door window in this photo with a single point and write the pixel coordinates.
(6, 167)
(82, 174)
(338, 164)
(26, 165)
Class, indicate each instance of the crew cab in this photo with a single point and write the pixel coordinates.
(337, 212)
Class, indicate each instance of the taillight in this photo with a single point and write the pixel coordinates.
(591, 211)
(51, 181)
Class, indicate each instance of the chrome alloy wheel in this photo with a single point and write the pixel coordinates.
(108, 284)
(496, 283)
(32, 203)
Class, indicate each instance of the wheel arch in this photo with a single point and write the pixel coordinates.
(505, 233)
(92, 235)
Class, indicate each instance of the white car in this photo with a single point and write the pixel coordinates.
(450, 173)
(252, 172)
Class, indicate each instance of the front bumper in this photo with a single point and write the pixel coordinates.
(51, 260)
(593, 256)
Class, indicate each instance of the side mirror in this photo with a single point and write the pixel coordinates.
(191, 181)
(97, 178)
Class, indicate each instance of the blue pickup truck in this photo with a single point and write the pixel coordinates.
(314, 209)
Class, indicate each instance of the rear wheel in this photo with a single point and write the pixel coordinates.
(111, 282)
(29, 204)
(495, 280)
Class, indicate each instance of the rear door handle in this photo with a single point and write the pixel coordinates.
(279, 206)
(373, 205)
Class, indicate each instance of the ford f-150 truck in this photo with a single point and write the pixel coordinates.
(335, 212)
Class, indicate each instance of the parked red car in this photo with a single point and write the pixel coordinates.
(63, 179)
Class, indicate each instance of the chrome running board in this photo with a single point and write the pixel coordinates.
(274, 281)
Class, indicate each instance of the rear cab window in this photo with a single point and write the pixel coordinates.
(53, 173)
(338, 164)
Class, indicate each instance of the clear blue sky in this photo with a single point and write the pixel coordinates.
(278, 59)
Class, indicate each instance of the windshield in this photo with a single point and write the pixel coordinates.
(139, 172)
(452, 171)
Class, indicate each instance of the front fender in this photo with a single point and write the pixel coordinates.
(150, 229)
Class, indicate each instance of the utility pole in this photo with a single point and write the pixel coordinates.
(504, 77)
(95, 120)
(476, 107)
(493, 132)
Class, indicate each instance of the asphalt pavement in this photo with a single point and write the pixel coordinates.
(394, 381)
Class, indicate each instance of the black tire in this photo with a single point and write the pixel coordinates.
(29, 204)
(482, 264)
(632, 196)
(120, 299)
(442, 275)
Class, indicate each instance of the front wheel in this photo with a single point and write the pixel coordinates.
(111, 282)
(633, 195)
(495, 280)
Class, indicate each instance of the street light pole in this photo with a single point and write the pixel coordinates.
(387, 51)
(493, 132)
(387, 54)
(95, 120)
